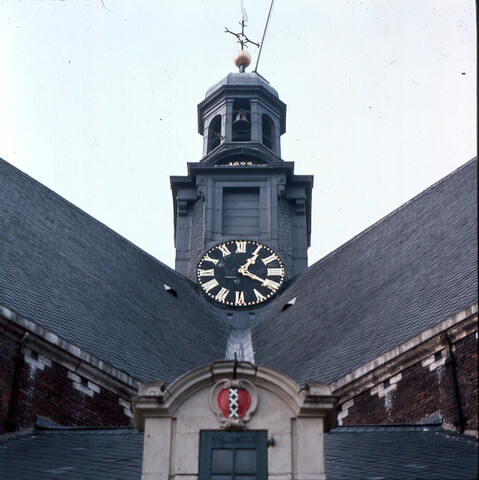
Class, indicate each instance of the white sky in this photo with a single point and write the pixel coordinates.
(98, 101)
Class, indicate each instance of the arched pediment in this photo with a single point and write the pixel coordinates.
(315, 398)
(229, 401)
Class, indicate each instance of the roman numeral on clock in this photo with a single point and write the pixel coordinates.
(239, 298)
(275, 272)
(222, 294)
(240, 247)
(224, 250)
(211, 284)
(269, 259)
(270, 284)
(259, 297)
(206, 273)
(207, 258)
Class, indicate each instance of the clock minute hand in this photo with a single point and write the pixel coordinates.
(264, 283)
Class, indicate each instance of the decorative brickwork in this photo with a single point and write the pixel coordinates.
(50, 390)
(420, 391)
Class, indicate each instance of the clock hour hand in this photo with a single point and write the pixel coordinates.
(250, 261)
(244, 271)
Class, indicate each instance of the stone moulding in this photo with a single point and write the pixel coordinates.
(154, 400)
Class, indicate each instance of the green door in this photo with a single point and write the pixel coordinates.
(233, 455)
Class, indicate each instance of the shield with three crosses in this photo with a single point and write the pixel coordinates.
(233, 401)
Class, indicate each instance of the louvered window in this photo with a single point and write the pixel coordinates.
(241, 211)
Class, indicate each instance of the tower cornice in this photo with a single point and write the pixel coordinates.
(244, 152)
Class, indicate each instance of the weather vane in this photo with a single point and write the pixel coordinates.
(243, 58)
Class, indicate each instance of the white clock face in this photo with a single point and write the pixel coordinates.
(240, 273)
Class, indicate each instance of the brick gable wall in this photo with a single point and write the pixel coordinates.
(50, 390)
(421, 390)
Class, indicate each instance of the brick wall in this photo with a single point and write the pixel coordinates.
(420, 391)
(50, 390)
(8, 349)
(465, 351)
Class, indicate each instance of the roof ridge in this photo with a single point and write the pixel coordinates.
(95, 220)
(60, 428)
(395, 428)
(383, 219)
(392, 427)
(389, 425)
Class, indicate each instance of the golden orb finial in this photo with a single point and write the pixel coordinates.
(242, 60)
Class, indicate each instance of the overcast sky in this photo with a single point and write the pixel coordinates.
(98, 101)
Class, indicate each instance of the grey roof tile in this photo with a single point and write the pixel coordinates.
(241, 80)
(419, 453)
(401, 276)
(364, 453)
(70, 274)
(76, 454)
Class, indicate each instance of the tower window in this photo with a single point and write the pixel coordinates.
(241, 211)
(214, 133)
(267, 127)
(241, 128)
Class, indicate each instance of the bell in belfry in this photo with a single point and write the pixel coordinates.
(241, 120)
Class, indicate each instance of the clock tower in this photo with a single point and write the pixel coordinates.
(241, 195)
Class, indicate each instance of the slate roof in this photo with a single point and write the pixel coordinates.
(70, 274)
(353, 453)
(76, 454)
(402, 452)
(403, 275)
(245, 79)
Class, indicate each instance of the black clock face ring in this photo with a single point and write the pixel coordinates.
(240, 273)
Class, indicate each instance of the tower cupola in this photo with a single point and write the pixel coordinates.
(242, 111)
(241, 199)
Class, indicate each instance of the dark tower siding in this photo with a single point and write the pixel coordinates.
(197, 239)
(241, 203)
(286, 235)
